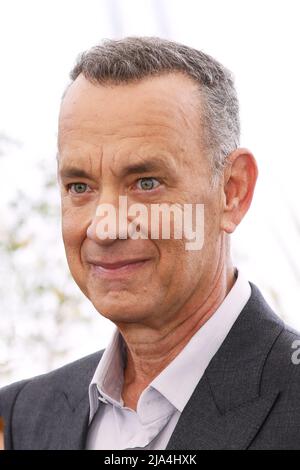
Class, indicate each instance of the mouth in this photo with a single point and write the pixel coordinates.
(118, 269)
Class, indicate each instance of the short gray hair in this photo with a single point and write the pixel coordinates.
(134, 58)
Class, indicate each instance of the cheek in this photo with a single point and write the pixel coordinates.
(73, 237)
(70, 232)
(180, 272)
(178, 266)
(73, 232)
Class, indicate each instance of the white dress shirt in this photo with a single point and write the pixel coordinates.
(115, 426)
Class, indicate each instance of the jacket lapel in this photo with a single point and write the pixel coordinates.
(203, 427)
(226, 409)
(71, 408)
(69, 428)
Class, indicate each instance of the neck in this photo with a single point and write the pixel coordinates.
(149, 351)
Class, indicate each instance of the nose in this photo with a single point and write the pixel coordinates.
(102, 228)
(106, 225)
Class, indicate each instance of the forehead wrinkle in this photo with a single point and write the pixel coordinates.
(152, 160)
(82, 160)
(112, 163)
(158, 121)
(97, 163)
(158, 118)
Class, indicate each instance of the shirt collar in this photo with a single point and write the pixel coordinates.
(108, 377)
(179, 379)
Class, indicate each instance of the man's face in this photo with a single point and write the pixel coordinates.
(103, 130)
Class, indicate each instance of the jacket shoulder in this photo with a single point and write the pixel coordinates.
(8, 396)
(10, 392)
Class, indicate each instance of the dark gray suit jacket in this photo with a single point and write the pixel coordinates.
(249, 396)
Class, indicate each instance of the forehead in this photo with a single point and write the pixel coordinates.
(167, 102)
(102, 125)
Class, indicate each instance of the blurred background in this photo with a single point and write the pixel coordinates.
(45, 321)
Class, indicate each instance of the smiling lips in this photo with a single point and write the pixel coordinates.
(118, 267)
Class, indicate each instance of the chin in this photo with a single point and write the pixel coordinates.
(119, 312)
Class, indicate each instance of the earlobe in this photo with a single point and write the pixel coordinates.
(228, 226)
(229, 216)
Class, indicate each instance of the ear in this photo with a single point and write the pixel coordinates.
(240, 177)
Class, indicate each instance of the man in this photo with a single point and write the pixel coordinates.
(198, 359)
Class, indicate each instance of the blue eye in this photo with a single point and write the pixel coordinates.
(77, 188)
(147, 183)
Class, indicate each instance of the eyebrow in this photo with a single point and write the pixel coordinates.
(73, 172)
(135, 168)
(146, 166)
